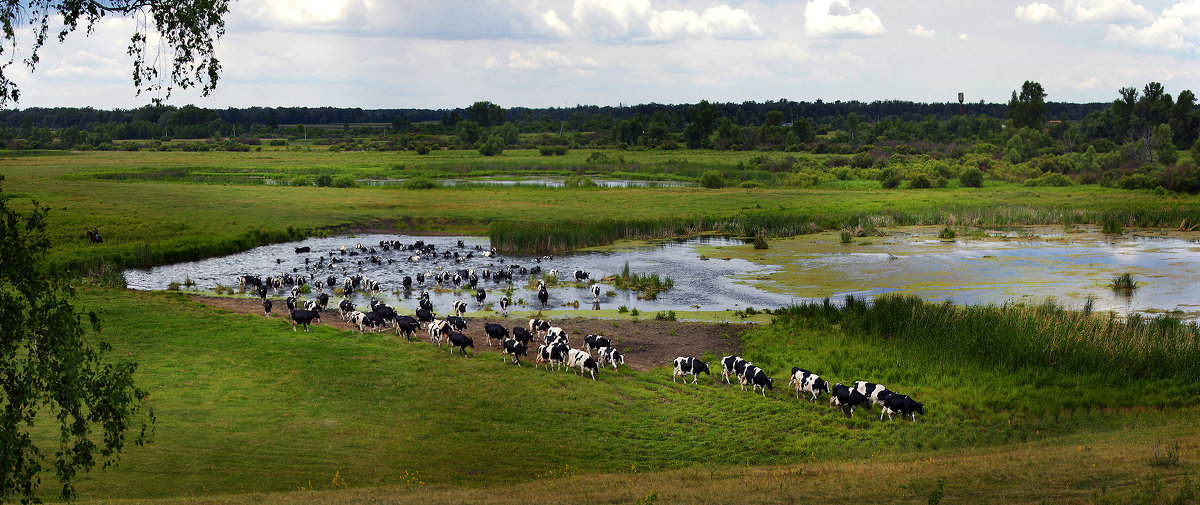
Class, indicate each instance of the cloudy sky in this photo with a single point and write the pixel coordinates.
(543, 53)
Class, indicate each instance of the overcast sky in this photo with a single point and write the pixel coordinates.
(543, 53)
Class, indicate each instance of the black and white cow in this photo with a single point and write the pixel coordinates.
(596, 292)
(515, 349)
(576, 357)
(903, 405)
(732, 365)
(580, 276)
(304, 317)
(590, 366)
(480, 296)
(462, 342)
(805, 381)
(347, 307)
(496, 331)
(266, 304)
(504, 305)
(459, 307)
(521, 335)
(438, 328)
(457, 323)
(689, 365)
(292, 303)
(322, 301)
(551, 354)
(842, 396)
(539, 326)
(375, 321)
(760, 380)
(424, 316)
(556, 334)
(407, 327)
(543, 296)
(358, 319)
(875, 393)
(610, 356)
(595, 342)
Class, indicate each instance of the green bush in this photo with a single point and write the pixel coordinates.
(324, 180)
(560, 150)
(493, 147)
(1053, 179)
(890, 178)
(422, 148)
(300, 181)
(1137, 181)
(546, 150)
(344, 181)
(712, 179)
(971, 178)
(920, 181)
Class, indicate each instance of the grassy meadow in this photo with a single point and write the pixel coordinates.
(1021, 407)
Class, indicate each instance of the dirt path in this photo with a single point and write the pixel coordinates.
(646, 343)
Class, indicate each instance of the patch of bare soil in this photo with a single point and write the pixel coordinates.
(646, 343)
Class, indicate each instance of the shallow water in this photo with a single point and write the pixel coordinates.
(1002, 268)
(550, 182)
(699, 284)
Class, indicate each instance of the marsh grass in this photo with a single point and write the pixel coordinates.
(1124, 283)
(647, 286)
(845, 237)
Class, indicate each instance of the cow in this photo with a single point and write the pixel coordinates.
(875, 393)
(504, 305)
(515, 349)
(301, 250)
(407, 283)
(842, 396)
(375, 321)
(689, 365)
(438, 329)
(743, 378)
(552, 273)
(496, 331)
(407, 327)
(291, 303)
(521, 335)
(903, 405)
(575, 357)
(322, 301)
(580, 276)
(805, 381)
(304, 317)
(458, 323)
(610, 355)
(480, 295)
(759, 379)
(539, 326)
(462, 342)
(358, 319)
(543, 296)
(347, 308)
(551, 354)
(459, 307)
(424, 316)
(596, 292)
(592, 342)
(732, 365)
(266, 304)
(590, 365)
(556, 334)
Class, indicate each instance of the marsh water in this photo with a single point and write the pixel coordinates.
(714, 274)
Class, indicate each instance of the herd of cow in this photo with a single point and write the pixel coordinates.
(844, 397)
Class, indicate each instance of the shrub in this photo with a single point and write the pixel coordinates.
(493, 147)
(300, 180)
(946, 234)
(1051, 179)
(422, 148)
(278, 142)
(344, 181)
(920, 181)
(666, 316)
(560, 150)
(324, 180)
(760, 242)
(890, 178)
(971, 178)
(1137, 181)
(845, 236)
(546, 151)
(712, 179)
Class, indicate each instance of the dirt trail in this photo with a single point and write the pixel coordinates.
(646, 343)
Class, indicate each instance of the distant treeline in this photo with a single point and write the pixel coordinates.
(577, 118)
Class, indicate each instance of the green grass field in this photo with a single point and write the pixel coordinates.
(248, 411)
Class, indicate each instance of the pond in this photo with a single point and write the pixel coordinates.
(716, 274)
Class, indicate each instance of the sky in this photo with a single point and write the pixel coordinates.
(561, 53)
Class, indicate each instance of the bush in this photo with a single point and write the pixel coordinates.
(278, 142)
(971, 178)
(920, 181)
(712, 179)
(493, 147)
(1137, 181)
(546, 151)
(1051, 179)
(560, 150)
(324, 180)
(422, 148)
(344, 181)
(300, 181)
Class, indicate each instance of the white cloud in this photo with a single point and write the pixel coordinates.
(1105, 11)
(1187, 9)
(1037, 12)
(1165, 34)
(306, 13)
(87, 65)
(835, 18)
(962, 36)
(637, 20)
(541, 58)
(921, 31)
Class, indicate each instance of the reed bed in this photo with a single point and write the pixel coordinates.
(1014, 337)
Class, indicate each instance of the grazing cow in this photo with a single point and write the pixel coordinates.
(691, 366)
(732, 365)
(575, 357)
(903, 405)
(551, 354)
(875, 393)
(515, 349)
(347, 307)
(610, 355)
(312, 305)
(759, 379)
(266, 307)
(556, 334)
(596, 292)
(424, 316)
(462, 342)
(521, 335)
(437, 331)
(496, 331)
(591, 342)
(543, 296)
(842, 396)
(590, 365)
(504, 305)
(580, 276)
(459, 307)
(304, 317)
(458, 323)
(480, 296)
(538, 326)
(743, 378)
(808, 382)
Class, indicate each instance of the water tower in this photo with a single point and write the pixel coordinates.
(960, 103)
